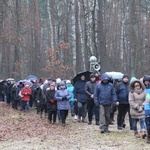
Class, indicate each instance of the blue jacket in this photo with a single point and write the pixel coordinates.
(104, 93)
(79, 91)
(122, 91)
(59, 94)
(70, 87)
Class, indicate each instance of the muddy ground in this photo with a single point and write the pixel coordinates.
(27, 131)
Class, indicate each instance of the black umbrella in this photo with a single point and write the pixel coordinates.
(78, 76)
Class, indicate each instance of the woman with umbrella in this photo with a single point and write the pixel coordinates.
(81, 97)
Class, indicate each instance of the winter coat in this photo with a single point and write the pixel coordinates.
(104, 93)
(38, 96)
(62, 104)
(79, 91)
(51, 103)
(136, 100)
(7, 89)
(13, 93)
(89, 89)
(26, 92)
(19, 88)
(45, 86)
(70, 87)
(122, 91)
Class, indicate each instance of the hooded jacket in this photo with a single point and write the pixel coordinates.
(70, 87)
(104, 93)
(136, 100)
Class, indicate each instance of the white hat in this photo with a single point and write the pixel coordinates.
(68, 82)
(58, 80)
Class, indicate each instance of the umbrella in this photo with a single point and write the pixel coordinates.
(17, 83)
(27, 82)
(78, 76)
(1, 81)
(11, 80)
(115, 75)
(31, 78)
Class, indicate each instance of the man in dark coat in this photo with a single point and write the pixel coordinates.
(104, 96)
(40, 101)
(7, 91)
(89, 88)
(81, 98)
(122, 91)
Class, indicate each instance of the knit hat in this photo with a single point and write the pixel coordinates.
(125, 76)
(146, 78)
(68, 82)
(62, 83)
(52, 84)
(58, 80)
(92, 75)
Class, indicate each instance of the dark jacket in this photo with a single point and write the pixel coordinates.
(51, 103)
(104, 93)
(38, 96)
(79, 91)
(19, 87)
(7, 89)
(13, 93)
(122, 91)
(89, 88)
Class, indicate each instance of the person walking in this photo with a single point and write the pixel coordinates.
(104, 96)
(146, 81)
(26, 93)
(51, 103)
(70, 87)
(62, 97)
(81, 98)
(89, 88)
(122, 91)
(137, 97)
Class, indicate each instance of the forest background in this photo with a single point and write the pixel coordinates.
(57, 37)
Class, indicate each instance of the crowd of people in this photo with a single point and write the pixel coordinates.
(101, 96)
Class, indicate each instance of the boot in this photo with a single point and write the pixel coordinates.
(137, 135)
(148, 139)
(143, 134)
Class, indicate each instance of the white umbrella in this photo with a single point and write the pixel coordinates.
(115, 75)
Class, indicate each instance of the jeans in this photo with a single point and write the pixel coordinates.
(72, 107)
(142, 124)
(147, 121)
(82, 109)
(24, 104)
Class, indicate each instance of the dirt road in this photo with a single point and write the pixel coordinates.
(27, 131)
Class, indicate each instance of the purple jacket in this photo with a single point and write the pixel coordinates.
(59, 94)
